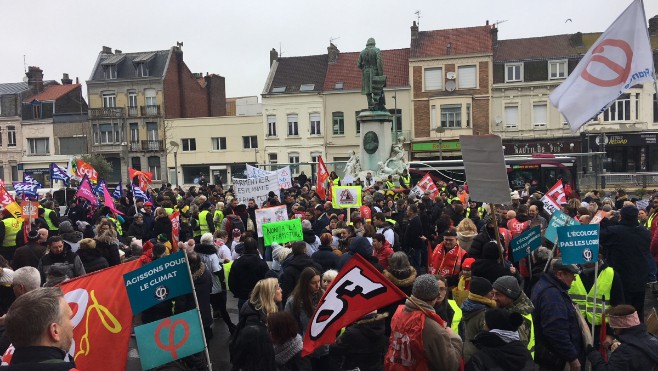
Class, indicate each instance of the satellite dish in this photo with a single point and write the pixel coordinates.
(450, 85)
(499, 120)
(450, 75)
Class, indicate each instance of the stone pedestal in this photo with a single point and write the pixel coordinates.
(376, 138)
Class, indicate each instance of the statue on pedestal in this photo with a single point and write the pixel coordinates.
(353, 165)
(373, 79)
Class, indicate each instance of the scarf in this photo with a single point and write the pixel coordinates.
(284, 352)
(482, 300)
(506, 336)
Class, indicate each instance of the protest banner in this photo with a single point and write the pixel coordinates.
(346, 196)
(102, 318)
(256, 188)
(526, 243)
(559, 219)
(144, 178)
(484, 164)
(357, 290)
(425, 184)
(323, 176)
(269, 215)
(175, 228)
(169, 339)
(7, 202)
(283, 231)
(84, 169)
(554, 198)
(599, 216)
(162, 279)
(579, 244)
(30, 209)
(57, 173)
(283, 175)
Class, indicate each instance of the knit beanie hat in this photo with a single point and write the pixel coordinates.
(65, 227)
(426, 287)
(508, 286)
(280, 253)
(33, 235)
(629, 212)
(480, 286)
(500, 319)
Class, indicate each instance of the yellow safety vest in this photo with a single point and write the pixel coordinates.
(183, 219)
(12, 227)
(531, 339)
(457, 317)
(585, 300)
(46, 216)
(336, 181)
(203, 222)
(406, 180)
(480, 210)
(453, 199)
(219, 216)
(169, 210)
(390, 185)
(117, 223)
(650, 220)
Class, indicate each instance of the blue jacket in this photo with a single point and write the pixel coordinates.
(556, 320)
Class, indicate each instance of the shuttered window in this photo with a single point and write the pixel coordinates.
(433, 78)
(466, 77)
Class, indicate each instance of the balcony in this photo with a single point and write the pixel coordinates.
(152, 145)
(153, 110)
(134, 146)
(132, 111)
(106, 112)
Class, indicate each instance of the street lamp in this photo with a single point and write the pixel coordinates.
(440, 130)
(174, 144)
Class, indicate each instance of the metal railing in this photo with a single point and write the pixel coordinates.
(153, 110)
(152, 145)
(106, 112)
(132, 111)
(617, 180)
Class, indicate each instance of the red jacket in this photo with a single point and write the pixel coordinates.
(447, 263)
(654, 244)
(383, 254)
(407, 350)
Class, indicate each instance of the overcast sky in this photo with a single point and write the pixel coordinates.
(233, 38)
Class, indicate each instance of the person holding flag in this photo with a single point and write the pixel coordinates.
(418, 341)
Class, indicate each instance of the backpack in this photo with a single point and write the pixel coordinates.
(236, 222)
(396, 239)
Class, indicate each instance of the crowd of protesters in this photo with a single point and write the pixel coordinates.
(449, 254)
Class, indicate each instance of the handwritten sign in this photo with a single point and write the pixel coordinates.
(526, 243)
(270, 215)
(256, 188)
(599, 216)
(559, 219)
(579, 244)
(283, 175)
(30, 209)
(346, 196)
(283, 231)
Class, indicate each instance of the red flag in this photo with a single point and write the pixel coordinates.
(88, 170)
(144, 177)
(323, 175)
(175, 229)
(357, 290)
(85, 191)
(7, 202)
(109, 201)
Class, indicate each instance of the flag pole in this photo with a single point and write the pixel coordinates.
(198, 311)
(550, 255)
(497, 232)
(596, 276)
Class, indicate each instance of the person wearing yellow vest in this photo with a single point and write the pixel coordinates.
(609, 286)
(218, 215)
(389, 183)
(334, 179)
(11, 235)
(51, 217)
(184, 211)
(206, 224)
(405, 179)
(447, 309)
(509, 296)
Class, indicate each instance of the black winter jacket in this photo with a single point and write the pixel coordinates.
(92, 260)
(494, 354)
(479, 241)
(626, 249)
(292, 271)
(362, 345)
(638, 351)
(245, 272)
(326, 258)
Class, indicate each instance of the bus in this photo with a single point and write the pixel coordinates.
(542, 171)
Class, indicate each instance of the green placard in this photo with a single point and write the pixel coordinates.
(283, 231)
(446, 145)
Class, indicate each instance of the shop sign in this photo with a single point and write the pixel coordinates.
(529, 148)
(445, 145)
(623, 140)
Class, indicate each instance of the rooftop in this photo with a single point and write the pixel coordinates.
(293, 72)
(346, 71)
(126, 64)
(53, 92)
(13, 87)
(455, 41)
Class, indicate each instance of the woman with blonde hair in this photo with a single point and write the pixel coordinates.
(265, 298)
(466, 231)
(108, 243)
(162, 224)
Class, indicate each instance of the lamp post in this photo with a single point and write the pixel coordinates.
(174, 144)
(440, 130)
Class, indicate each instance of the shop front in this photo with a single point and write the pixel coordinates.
(436, 150)
(626, 152)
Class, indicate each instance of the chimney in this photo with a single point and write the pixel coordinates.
(35, 79)
(197, 75)
(274, 55)
(653, 25)
(494, 35)
(66, 80)
(77, 80)
(117, 51)
(333, 51)
(106, 50)
(449, 48)
(414, 31)
(576, 40)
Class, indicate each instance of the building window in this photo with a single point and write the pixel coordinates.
(106, 134)
(109, 99)
(272, 158)
(152, 131)
(306, 87)
(433, 78)
(467, 77)
(468, 115)
(110, 71)
(134, 132)
(338, 123)
(14, 173)
(338, 86)
(397, 119)
(250, 142)
(433, 116)
(36, 111)
(293, 158)
(271, 125)
(39, 146)
(314, 119)
(511, 117)
(451, 115)
(557, 69)
(72, 145)
(539, 118)
(619, 110)
(132, 102)
(11, 136)
(293, 126)
(218, 143)
(315, 156)
(150, 97)
(513, 72)
(142, 70)
(189, 144)
(154, 167)
(136, 163)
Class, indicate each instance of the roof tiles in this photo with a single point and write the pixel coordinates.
(545, 47)
(292, 72)
(345, 70)
(52, 92)
(460, 41)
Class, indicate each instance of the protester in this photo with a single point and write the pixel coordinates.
(381, 249)
(509, 296)
(247, 271)
(325, 256)
(498, 345)
(401, 274)
(294, 268)
(287, 342)
(108, 243)
(447, 258)
(358, 245)
(91, 258)
(429, 345)
(362, 345)
(57, 256)
(447, 309)
(479, 300)
(490, 266)
(39, 327)
(70, 236)
(30, 254)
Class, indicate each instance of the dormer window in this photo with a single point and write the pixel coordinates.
(142, 70)
(141, 64)
(110, 66)
(110, 72)
(307, 87)
(338, 86)
(279, 89)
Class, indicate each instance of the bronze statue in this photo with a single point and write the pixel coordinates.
(373, 79)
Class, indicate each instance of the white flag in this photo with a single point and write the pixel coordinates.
(618, 60)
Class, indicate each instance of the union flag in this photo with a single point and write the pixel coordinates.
(144, 177)
(323, 175)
